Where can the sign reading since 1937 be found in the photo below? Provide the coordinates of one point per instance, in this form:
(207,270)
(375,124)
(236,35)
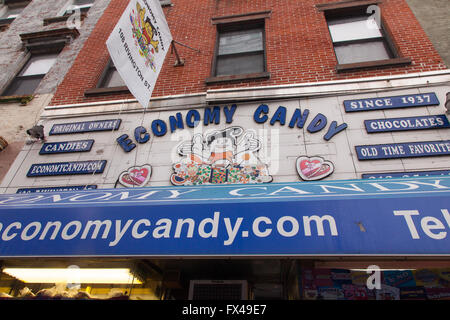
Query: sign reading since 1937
(408,123)
(403,150)
(413,100)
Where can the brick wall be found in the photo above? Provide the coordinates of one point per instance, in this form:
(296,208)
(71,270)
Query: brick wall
(298,44)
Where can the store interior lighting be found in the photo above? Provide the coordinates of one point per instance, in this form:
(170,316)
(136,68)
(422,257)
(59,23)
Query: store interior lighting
(73,275)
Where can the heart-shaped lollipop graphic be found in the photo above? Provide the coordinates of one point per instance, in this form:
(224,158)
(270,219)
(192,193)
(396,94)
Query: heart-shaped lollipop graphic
(313,168)
(136,176)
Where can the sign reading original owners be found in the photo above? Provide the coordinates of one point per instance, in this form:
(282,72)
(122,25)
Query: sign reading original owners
(85,126)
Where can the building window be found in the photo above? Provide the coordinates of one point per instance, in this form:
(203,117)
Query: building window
(240,51)
(357,39)
(28,79)
(82,5)
(360,38)
(11,11)
(111,77)
(165,3)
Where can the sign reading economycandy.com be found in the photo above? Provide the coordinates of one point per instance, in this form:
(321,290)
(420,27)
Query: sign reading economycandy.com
(138,46)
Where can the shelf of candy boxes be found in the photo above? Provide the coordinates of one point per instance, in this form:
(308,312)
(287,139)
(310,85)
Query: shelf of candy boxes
(62,293)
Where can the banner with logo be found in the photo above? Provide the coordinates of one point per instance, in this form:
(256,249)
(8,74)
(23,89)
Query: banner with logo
(138,46)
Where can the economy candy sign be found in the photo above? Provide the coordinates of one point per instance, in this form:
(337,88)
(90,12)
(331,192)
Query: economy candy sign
(352,217)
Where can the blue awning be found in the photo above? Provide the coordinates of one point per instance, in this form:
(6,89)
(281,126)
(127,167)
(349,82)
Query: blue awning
(408,216)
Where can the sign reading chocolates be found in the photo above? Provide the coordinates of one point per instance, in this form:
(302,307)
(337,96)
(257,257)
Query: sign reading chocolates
(65,168)
(85,126)
(57,189)
(407,124)
(66,147)
(412,100)
(403,150)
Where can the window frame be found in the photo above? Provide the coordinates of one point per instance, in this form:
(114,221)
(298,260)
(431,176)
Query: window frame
(5,22)
(349,9)
(18,77)
(236,23)
(99,89)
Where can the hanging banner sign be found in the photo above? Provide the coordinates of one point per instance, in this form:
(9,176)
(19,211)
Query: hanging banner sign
(412,100)
(56,189)
(408,123)
(66,168)
(345,218)
(403,150)
(138,46)
(66,147)
(85,126)
(406,174)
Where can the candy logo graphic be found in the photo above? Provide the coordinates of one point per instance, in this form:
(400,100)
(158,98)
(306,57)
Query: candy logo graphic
(136,176)
(144,33)
(313,168)
(220,157)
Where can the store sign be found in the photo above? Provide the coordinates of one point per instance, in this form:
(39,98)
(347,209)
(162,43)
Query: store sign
(279,219)
(408,123)
(193,118)
(403,150)
(137,176)
(66,168)
(221,156)
(57,189)
(66,147)
(138,46)
(313,168)
(85,126)
(412,100)
(410,174)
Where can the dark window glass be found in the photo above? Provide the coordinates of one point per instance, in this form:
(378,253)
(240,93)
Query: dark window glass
(82,5)
(358,39)
(240,51)
(111,78)
(30,76)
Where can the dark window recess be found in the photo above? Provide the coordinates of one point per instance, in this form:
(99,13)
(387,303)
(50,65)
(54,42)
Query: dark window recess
(165,3)
(28,79)
(240,50)
(13,10)
(82,5)
(111,78)
(358,39)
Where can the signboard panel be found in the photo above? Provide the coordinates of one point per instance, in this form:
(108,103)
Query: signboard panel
(66,147)
(56,189)
(407,124)
(85,126)
(406,101)
(403,150)
(66,168)
(410,174)
(280,219)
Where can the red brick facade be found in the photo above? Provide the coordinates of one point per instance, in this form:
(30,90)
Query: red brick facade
(298,47)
